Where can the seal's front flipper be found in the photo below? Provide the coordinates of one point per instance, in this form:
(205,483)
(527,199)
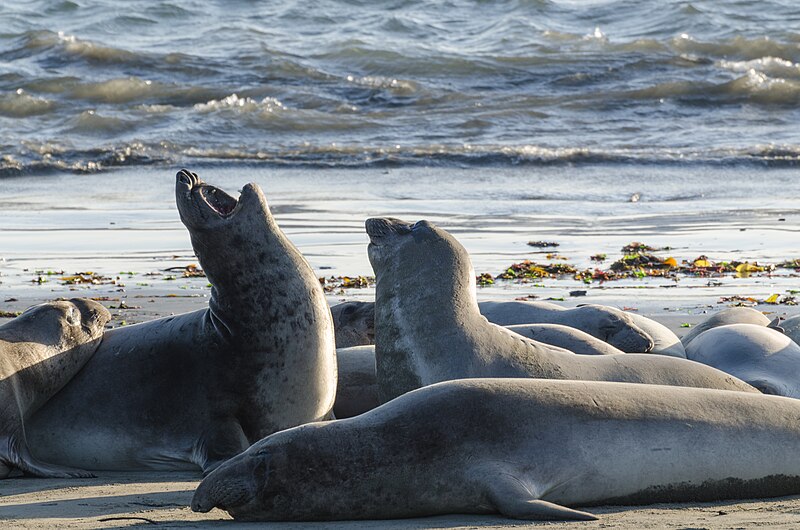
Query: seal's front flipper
(19,457)
(218,444)
(512,499)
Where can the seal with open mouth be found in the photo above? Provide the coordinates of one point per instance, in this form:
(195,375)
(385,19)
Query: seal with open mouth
(40,351)
(428,327)
(195,389)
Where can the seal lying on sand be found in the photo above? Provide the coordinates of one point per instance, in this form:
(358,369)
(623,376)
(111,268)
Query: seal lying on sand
(195,389)
(605,323)
(571,339)
(665,342)
(731,315)
(354,323)
(357,388)
(40,351)
(428,327)
(525,448)
(763,357)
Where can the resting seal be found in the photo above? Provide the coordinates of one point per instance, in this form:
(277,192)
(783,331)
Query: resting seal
(571,339)
(763,357)
(525,448)
(354,323)
(605,323)
(357,388)
(665,342)
(40,351)
(428,327)
(195,389)
(731,315)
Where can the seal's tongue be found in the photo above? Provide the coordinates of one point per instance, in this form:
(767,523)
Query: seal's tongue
(218,200)
(380,227)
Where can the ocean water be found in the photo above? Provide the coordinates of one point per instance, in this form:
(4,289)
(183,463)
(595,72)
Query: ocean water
(89,85)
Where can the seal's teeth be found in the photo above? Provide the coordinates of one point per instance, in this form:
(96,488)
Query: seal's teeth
(186,176)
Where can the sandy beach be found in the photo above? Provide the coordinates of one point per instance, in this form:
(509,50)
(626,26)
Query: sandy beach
(144,500)
(126,248)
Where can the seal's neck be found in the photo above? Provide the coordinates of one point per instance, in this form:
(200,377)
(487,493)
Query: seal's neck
(255,274)
(420,317)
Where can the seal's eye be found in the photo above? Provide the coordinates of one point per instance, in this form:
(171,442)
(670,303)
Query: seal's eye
(72,317)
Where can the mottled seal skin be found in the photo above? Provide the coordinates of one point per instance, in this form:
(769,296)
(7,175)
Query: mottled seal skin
(195,389)
(526,448)
(605,323)
(565,337)
(763,357)
(428,327)
(357,388)
(354,324)
(731,315)
(40,351)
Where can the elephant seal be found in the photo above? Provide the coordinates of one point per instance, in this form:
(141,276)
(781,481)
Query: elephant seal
(40,351)
(665,342)
(354,323)
(791,327)
(763,357)
(428,327)
(526,448)
(195,389)
(605,323)
(565,337)
(731,315)
(357,388)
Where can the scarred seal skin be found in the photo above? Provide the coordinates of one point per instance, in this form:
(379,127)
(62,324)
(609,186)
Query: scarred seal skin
(195,389)
(428,327)
(524,448)
(40,351)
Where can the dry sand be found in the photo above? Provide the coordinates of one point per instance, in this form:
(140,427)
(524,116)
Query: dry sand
(133,500)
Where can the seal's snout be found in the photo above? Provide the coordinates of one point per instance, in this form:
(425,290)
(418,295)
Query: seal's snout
(632,340)
(380,227)
(189,179)
(220,491)
(94,315)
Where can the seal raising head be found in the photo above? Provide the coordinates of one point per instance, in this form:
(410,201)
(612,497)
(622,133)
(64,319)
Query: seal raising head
(208,383)
(428,327)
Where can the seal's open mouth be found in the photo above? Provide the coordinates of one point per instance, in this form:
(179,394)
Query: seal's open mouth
(379,228)
(218,200)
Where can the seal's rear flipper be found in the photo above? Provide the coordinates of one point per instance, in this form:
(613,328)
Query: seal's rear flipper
(539,509)
(512,499)
(776,324)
